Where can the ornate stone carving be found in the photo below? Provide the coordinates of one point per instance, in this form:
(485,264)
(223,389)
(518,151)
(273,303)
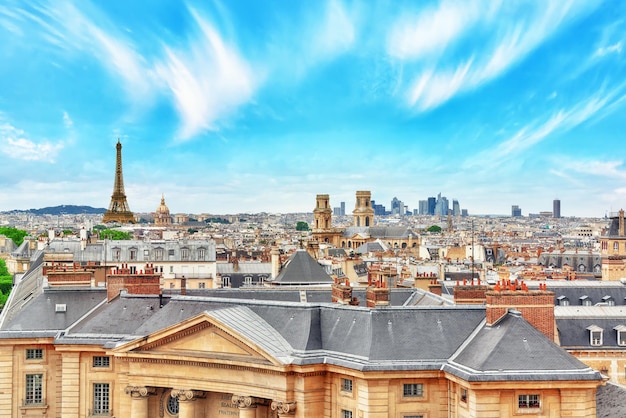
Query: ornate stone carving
(185,395)
(283,407)
(140,391)
(243,401)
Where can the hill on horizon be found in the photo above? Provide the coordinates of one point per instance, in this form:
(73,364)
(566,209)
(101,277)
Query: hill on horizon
(61,210)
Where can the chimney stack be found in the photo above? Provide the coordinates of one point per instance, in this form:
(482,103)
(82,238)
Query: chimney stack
(275,258)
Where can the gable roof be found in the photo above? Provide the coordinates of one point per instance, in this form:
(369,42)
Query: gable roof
(512,349)
(301,268)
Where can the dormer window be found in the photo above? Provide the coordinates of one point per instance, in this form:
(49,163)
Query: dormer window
(585,301)
(609,300)
(563,300)
(595,335)
(621,335)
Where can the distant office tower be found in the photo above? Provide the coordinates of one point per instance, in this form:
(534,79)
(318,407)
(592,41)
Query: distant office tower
(463,213)
(118,209)
(456,208)
(442,206)
(516,211)
(343,208)
(397,207)
(379,210)
(336,211)
(556,208)
(432,202)
(423,207)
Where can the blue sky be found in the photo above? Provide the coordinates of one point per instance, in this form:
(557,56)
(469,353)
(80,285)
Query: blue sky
(252,106)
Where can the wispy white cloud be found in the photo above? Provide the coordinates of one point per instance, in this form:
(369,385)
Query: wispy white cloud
(207,81)
(430,31)
(67,121)
(610,49)
(336,33)
(15,144)
(608,169)
(440,62)
(593,107)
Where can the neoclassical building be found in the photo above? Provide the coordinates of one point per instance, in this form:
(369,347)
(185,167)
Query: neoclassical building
(363,229)
(127,350)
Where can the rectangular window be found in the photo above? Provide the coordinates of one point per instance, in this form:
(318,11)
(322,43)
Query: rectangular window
(101,361)
(201,253)
(34,389)
(621,337)
(528,401)
(184,254)
(133,254)
(34,354)
(413,389)
(463,395)
(346,385)
(201,285)
(596,337)
(346,414)
(101,399)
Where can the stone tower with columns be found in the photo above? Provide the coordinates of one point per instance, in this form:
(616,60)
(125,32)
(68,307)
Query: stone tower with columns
(322,214)
(363,211)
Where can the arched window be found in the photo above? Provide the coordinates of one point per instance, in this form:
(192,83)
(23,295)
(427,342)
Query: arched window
(367,221)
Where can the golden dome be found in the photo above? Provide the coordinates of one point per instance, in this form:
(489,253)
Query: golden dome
(163,209)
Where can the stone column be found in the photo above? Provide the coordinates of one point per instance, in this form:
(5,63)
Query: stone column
(186,398)
(139,403)
(246,405)
(284,409)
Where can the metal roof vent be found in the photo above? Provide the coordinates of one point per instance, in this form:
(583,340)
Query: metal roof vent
(60,307)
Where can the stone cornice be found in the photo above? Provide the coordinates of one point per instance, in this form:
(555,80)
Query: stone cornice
(176,336)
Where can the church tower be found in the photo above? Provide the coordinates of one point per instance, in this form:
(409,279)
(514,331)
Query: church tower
(363,211)
(322,213)
(118,209)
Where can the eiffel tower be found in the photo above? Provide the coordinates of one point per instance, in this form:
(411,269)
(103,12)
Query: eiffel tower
(118,209)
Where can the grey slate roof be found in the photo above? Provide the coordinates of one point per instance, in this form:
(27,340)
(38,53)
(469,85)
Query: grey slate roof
(41,313)
(382,232)
(301,268)
(595,291)
(513,349)
(573,322)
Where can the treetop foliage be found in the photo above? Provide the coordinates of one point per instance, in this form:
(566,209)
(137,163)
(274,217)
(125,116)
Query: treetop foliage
(17,235)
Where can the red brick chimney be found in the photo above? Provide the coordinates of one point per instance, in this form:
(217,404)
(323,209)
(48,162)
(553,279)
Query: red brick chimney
(341,293)
(466,293)
(140,283)
(435,287)
(536,306)
(377,297)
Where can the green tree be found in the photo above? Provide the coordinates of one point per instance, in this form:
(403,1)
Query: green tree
(115,234)
(6,283)
(302,226)
(434,228)
(17,235)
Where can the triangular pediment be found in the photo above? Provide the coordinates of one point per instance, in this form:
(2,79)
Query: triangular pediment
(201,338)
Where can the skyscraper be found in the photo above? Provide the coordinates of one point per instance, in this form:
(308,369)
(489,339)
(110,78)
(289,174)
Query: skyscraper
(556,208)
(432,202)
(516,211)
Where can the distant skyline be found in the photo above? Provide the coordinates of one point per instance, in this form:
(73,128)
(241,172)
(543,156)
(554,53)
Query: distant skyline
(247,106)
